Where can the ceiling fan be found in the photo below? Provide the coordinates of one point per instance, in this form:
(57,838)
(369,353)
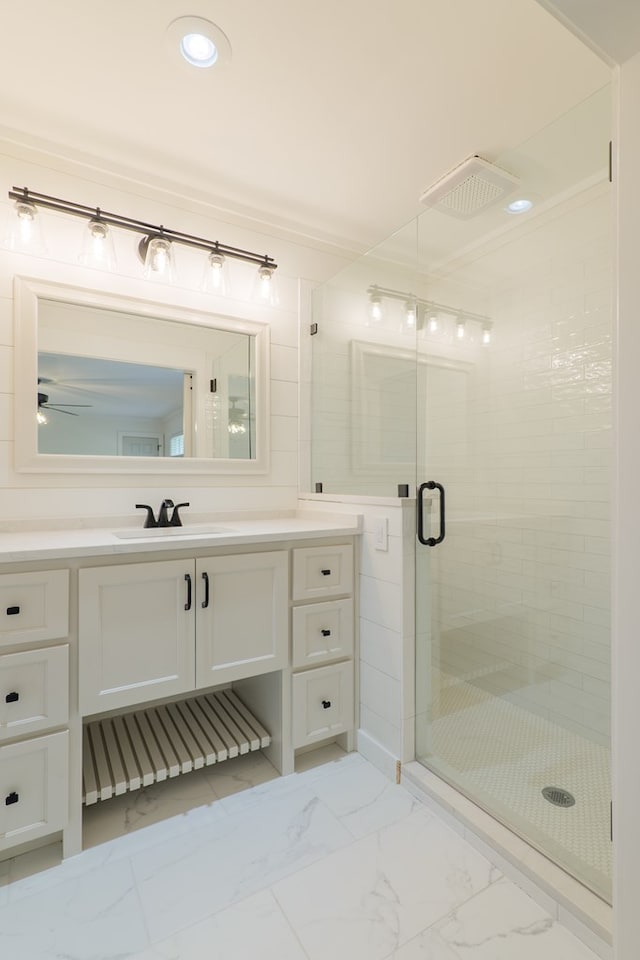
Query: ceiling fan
(43,404)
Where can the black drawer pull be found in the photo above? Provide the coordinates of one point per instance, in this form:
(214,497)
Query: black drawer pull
(205,602)
(12,798)
(12,697)
(12,611)
(325,573)
(187,577)
(326,704)
(326,633)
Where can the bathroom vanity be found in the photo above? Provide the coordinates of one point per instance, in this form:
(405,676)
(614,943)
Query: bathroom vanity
(131,656)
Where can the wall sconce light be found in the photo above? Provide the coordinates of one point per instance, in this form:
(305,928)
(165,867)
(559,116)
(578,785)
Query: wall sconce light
(433,325)
(486,333)
(410,315)
(460,329)
(156,248)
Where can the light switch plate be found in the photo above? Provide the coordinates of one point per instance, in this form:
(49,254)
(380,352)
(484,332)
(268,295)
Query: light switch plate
(381,533)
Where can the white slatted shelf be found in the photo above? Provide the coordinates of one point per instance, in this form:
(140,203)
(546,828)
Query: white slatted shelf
(128,752)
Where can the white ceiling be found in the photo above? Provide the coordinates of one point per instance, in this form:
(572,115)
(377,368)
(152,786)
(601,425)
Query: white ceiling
(330,120)
(612,27)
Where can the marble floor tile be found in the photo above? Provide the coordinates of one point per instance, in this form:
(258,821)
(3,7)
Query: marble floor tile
(364,801)
(122,815)
(87,919)
(365,901)
(256,848)
(254,929)
(503,922)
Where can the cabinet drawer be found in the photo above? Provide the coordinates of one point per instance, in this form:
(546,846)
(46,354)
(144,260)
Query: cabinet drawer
(34,606)
(322,572)
(322,632)
(322,703)
(33,788)
(34,691)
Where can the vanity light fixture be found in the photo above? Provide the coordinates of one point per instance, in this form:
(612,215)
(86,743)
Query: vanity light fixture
(155,249)
(420,313)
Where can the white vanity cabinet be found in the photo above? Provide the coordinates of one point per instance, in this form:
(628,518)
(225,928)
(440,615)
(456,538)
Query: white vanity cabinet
(34,700)
(322,689)
(153,630)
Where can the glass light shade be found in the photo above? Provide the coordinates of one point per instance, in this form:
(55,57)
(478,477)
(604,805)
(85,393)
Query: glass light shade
(486,334)
(158,259)
(41,418)
(460,330)
(433,324)
(264,285)
(25,229)
(375,309)
(215,276)
(97,246)
(410,315)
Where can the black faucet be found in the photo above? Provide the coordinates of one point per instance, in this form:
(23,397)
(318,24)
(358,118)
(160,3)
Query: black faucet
(163,516)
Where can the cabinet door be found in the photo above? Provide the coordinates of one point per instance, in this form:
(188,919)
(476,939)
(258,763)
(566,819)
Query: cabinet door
(34,788)
(136,633)
(322,702)
(241,616)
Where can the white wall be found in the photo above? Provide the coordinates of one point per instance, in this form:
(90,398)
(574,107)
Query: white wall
(25,497)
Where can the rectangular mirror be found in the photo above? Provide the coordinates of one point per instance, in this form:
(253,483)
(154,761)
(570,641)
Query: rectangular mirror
(105,383)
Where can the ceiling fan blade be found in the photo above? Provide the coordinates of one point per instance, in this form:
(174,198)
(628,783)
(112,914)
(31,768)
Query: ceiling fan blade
(73,404)
(69,413)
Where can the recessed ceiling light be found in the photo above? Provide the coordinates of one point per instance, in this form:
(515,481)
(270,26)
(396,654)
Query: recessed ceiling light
(519,206)
(197,42)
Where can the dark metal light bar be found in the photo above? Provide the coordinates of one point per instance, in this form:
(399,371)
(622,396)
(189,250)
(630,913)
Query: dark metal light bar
(138,226)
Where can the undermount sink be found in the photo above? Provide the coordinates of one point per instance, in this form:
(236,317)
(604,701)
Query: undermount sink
(153,533)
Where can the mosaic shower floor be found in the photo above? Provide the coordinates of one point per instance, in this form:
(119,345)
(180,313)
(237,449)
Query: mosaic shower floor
(502,756)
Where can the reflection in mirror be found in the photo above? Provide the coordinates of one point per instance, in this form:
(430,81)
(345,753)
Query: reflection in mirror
(108,408)
(104,383)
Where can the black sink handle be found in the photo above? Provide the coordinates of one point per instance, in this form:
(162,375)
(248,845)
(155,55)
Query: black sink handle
(176,519)
(150,520)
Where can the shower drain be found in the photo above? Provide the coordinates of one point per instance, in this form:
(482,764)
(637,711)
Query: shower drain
(558,796)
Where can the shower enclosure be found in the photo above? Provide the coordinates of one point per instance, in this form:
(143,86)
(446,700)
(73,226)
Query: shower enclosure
(471,359)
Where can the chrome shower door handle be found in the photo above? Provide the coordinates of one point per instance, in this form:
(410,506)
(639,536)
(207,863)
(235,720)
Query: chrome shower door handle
(430,541)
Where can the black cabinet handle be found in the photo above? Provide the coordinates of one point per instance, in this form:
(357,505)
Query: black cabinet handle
(326,633)
(187,605)
(430,541)
(12,611)
(12,798)
(12,697)
(205,602)
(326,704)
(325,573)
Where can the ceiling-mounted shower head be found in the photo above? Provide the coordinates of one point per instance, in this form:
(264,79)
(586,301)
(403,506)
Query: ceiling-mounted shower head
(469,188)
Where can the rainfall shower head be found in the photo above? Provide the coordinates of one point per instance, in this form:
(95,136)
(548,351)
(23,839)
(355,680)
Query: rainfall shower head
(469,188)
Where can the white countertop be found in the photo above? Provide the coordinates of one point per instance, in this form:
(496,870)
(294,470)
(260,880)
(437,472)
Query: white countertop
(56,544)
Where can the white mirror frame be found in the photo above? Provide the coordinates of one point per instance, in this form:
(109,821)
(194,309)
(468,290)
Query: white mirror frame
(27,292)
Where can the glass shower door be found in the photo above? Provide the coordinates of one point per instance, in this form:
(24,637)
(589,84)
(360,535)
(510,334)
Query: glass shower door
(512,554)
